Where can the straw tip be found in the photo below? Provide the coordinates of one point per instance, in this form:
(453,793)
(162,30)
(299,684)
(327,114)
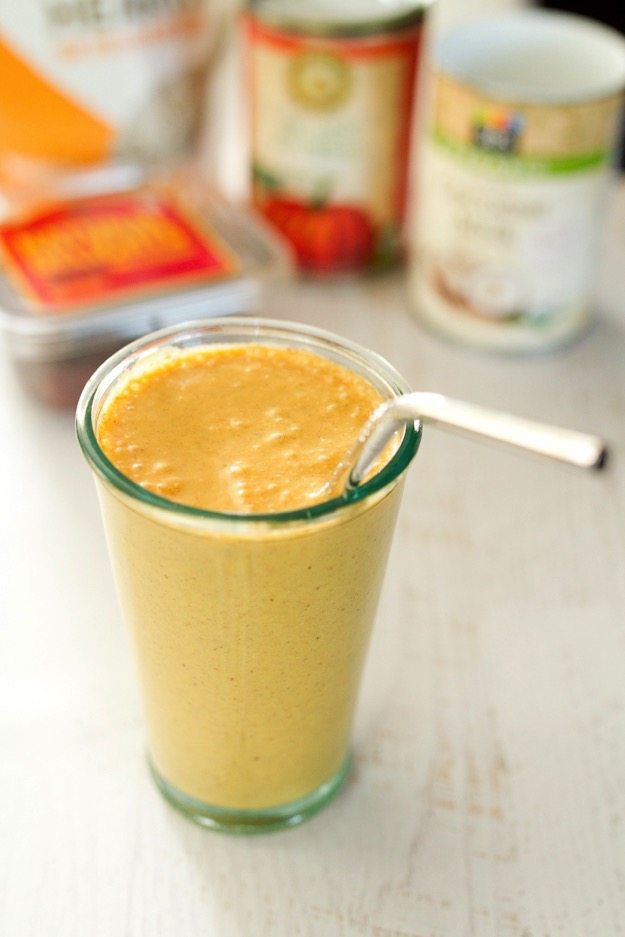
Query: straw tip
(602,459)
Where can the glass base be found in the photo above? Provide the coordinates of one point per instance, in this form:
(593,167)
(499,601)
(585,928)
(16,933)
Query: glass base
(262,820)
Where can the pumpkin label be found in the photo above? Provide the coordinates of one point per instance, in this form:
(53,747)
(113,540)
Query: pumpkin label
(330,128)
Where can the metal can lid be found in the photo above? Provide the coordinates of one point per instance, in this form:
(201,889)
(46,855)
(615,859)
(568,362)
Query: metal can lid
(349,18)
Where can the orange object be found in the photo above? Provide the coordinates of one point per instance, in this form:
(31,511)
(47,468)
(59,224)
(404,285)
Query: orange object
(38,120)
(324,237)
(110,246)
(81,274)
(85,83)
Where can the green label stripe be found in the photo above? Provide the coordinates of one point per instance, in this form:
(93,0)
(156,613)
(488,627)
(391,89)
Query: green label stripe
(518,164)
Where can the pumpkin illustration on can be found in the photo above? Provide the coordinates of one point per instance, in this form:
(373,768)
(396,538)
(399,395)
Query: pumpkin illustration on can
(331,107)
(326,238)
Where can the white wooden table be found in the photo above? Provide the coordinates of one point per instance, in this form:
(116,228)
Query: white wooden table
(488,790)
(487,797)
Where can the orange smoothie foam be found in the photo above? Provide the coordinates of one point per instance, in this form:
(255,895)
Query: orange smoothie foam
(244,429)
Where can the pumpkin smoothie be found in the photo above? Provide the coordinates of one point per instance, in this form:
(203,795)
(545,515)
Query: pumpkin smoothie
(250,602)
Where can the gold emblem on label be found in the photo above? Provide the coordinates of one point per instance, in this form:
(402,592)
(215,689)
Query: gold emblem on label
(319,80)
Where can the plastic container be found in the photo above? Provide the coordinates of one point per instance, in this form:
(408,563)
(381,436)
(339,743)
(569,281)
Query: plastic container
(103,257)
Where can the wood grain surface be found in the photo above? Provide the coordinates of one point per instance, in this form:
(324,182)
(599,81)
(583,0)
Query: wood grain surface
(487,795)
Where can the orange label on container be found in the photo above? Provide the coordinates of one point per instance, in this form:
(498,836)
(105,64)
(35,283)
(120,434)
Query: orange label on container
(94,250)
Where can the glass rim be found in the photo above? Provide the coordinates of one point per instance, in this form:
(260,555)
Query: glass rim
(240,329)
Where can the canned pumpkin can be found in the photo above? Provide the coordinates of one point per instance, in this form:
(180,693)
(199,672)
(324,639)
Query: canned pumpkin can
(332,91)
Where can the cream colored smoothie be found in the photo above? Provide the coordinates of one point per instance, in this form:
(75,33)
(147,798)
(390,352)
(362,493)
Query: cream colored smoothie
(250,624)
